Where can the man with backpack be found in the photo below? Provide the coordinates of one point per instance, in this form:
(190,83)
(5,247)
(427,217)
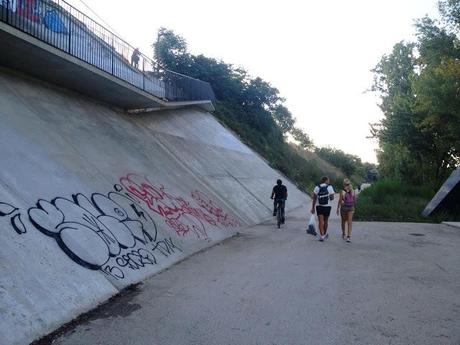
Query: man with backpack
(323,194)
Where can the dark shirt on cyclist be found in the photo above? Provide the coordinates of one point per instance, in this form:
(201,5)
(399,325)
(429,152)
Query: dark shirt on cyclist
(279,192)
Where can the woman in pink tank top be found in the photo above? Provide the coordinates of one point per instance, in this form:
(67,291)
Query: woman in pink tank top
(346,204)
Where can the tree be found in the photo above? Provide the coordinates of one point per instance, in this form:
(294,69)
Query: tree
(434,43)
(393,81)
(170,51)
(302,138)
(259,93)
(450,12)
(283,118)
(349,164)
(419,88)
(437,115)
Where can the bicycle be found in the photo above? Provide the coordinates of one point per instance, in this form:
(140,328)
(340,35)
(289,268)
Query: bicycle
(280,212)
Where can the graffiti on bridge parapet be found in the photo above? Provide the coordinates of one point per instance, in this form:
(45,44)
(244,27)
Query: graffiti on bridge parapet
(115,232)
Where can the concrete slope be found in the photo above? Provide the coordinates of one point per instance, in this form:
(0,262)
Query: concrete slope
(448,196)
(93,200)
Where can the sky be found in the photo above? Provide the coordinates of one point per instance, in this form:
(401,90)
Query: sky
(318,54)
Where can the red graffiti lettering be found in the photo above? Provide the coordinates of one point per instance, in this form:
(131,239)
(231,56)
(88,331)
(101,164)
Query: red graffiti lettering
(178,213)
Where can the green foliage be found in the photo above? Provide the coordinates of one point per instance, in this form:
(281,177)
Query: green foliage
(250,106)
(395,201)
(302,139)
(284,119)
(418,85)
(349,164)
(450,12)
(396,161)
(170,50)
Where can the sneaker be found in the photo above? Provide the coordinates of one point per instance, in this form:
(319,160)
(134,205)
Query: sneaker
(348,239)
(321,238)
(326,236)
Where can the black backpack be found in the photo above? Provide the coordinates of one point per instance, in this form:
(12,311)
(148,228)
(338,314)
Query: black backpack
(323,195)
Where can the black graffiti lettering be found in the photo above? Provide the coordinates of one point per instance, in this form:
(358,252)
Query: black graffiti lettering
(18,225)
(116,232)
(139,213)
(113,271)
(130,197)
(147,236)
(6,209)
(142,236)
(171,244)
(15,219)
(136,259)
(166,247)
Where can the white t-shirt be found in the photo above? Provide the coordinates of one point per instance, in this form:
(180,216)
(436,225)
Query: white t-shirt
(329,189)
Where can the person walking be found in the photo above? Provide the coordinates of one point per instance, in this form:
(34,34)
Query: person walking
(323,194)
(346,204)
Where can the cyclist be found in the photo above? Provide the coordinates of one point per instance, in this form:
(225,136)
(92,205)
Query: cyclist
(279,196)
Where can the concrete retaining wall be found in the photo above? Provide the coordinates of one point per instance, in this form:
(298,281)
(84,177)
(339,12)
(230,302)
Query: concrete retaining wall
(447,197)
(93,200)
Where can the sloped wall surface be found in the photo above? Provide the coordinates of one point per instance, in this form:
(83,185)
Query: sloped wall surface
(447,197)
(93,200)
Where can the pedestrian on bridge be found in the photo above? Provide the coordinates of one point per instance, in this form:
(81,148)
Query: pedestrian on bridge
(135,58)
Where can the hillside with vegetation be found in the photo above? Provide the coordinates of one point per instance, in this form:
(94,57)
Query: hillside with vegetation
(254,109)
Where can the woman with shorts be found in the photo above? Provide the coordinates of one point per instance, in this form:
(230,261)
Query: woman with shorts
(346,204)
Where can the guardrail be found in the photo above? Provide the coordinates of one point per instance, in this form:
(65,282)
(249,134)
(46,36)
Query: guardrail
(64,27)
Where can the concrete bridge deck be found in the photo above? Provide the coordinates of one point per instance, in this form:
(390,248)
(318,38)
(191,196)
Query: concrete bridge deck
(394,284)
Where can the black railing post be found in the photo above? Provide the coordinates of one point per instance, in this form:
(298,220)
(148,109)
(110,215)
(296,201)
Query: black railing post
(7,11)
(143,73)
(70,31)
(113,67)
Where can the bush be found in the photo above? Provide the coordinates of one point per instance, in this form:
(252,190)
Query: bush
(393,201)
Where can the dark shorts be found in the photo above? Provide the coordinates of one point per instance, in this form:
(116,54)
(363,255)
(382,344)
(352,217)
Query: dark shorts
(344,210)
(323,210)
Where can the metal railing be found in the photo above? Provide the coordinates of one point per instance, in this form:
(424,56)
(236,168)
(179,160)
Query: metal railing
(64,27)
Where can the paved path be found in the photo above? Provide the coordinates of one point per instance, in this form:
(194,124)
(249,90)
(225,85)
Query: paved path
(394,284)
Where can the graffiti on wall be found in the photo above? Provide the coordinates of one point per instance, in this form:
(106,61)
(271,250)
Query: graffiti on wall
(178,213)
(117,231)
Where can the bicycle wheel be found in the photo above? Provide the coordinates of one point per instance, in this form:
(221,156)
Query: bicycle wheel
(278,216)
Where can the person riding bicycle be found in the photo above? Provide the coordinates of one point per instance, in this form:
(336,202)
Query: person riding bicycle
(279,196)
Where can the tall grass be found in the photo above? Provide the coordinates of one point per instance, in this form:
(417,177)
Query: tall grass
(393,201)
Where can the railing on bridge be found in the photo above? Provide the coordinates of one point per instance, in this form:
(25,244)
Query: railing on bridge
(66,28)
